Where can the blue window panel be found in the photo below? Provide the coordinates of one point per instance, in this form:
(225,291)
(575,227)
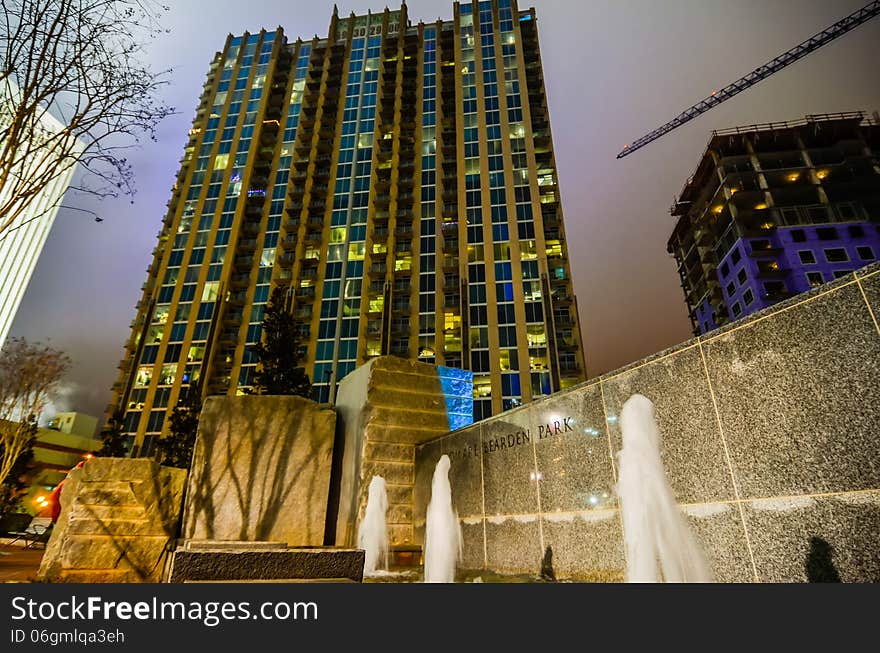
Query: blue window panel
(503,271)
(165,294)
(324,350)
(178,331)
(188,292)
(149,354)
(504,292)
(327,329)
(206,309)
(507,336)
(510,385)
(261,294)
(201,331)
(350,328)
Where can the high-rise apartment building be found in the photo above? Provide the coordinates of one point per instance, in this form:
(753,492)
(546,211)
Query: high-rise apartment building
(773,210)
(399,180)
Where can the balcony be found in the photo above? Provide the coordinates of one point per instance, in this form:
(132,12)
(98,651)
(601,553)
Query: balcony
(305,293)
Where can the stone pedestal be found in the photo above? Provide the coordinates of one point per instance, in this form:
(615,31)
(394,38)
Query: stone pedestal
(118,518)
(387,407)
(261,471)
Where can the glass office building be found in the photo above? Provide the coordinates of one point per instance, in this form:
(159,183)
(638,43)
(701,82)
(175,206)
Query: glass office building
(398,180)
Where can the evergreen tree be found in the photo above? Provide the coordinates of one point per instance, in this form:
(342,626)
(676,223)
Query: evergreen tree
(114,441)
(176,449)
(279,372)
(17,482)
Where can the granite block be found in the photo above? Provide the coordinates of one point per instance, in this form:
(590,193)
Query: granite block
(869,281)
(572,451)
(586,546)
(472,545)
(692,449)
(782,533)
(327,563)
(261,470)
(719,529)
(513,545)
(509,474)
(426,460)
(117,517)
(797,395)
(465,456)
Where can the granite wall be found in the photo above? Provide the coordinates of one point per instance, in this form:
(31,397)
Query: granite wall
(261,471)
(118,519)
(771,441)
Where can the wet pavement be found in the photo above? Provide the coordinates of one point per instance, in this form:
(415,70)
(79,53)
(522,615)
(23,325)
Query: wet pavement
(18,564)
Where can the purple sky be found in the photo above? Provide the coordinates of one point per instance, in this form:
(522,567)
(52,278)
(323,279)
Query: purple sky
(614,71)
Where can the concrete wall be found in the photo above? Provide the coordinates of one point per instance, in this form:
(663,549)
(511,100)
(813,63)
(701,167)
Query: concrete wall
(771,437)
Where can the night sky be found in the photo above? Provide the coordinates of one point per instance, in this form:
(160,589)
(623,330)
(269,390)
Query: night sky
(614,70)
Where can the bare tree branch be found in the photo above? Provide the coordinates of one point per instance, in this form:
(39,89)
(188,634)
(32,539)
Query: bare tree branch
(74,88)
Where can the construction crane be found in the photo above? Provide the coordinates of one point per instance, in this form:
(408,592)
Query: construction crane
(841,27)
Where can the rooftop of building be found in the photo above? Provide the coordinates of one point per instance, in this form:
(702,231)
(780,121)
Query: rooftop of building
(828,128)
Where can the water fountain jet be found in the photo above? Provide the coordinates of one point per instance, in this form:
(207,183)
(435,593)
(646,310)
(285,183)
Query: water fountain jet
(659,544)
(373,531)
(442,529)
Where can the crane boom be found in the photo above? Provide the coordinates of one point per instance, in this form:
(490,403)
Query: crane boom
(841,27)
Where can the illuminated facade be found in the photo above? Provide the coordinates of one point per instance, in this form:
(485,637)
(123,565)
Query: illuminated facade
(399,181)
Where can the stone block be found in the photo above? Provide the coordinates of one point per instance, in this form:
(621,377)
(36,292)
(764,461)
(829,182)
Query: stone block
(797,396)
(261,470)
(118,519)
(266,564)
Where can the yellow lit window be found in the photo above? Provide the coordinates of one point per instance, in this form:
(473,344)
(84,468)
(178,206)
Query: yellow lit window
(403,264)
(144,375)
(209,293)
(380,248)
(312,253)
(508,360)
(538,363)
(536,335)
(356,251)
(267,259)
(337,235)
(169,372)
(554,248)
(475,253)
(529,250)
(377,304)
(374,348)
(502,251)
(221,161)
(155,334)
(160,316)
(196,353)
(482,386)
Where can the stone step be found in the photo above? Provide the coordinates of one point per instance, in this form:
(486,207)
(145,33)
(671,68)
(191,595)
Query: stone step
(393,451)
(405,434)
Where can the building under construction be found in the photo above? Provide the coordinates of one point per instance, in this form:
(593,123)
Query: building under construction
(773,210)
